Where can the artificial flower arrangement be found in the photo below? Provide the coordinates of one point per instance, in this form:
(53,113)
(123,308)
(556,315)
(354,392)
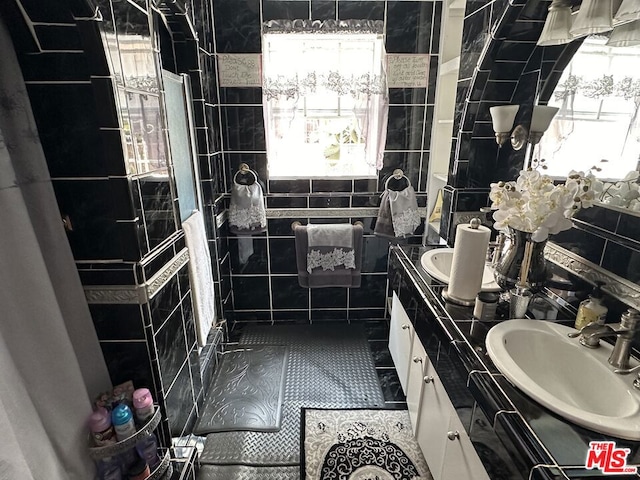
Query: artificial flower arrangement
(534,204)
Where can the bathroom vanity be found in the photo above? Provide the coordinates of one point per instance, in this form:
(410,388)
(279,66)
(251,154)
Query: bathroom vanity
(469,420)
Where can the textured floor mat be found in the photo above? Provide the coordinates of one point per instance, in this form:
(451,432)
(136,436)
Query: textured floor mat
(243,472)
(247,391)
(327,367)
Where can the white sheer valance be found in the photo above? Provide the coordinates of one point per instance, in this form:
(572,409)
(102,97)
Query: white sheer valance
(323,81)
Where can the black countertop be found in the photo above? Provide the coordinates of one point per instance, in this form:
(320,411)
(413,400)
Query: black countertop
(540,443)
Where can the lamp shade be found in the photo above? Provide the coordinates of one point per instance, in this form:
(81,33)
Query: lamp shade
(557,25)
(627,35)
(629,10)
(541,118)
(594,16)
(503,116)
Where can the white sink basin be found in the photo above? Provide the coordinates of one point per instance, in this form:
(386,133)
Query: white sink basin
(437,263)
(573,381)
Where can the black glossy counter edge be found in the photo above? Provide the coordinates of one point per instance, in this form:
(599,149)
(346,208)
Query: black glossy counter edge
(444,337)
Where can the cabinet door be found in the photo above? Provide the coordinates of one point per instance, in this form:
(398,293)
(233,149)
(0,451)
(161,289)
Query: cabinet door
(400,338)
(460,458)
(417,366)
(434,414)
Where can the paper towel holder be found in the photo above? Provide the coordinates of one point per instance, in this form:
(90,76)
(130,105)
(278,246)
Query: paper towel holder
(475,224)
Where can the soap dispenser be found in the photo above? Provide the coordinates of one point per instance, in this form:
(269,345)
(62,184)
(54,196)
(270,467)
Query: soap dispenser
(592,309)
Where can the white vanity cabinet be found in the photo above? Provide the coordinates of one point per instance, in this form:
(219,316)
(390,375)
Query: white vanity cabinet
(436,425)
(401,334)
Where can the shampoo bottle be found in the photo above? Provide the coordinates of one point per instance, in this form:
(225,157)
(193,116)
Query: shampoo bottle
(592,309)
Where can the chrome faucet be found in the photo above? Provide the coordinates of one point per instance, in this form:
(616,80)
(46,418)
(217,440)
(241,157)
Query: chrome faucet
(624,331)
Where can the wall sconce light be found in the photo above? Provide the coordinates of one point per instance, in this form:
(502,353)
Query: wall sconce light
(629,10)
(627,35)
(594,16)
(557,26)
(503,117)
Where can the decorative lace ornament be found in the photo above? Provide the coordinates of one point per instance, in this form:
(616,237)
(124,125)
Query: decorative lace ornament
(406,222)
(247,218)
(332,81)
(326,26)
(330,260)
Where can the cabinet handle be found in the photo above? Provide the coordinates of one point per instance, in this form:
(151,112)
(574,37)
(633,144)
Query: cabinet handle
(453,435)
(405,326)
(417,360)
(428,379)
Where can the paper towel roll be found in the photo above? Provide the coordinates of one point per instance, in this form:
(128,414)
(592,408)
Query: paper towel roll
(467,266)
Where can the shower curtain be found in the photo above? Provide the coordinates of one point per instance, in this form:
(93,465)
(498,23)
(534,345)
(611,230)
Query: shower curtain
(51,364)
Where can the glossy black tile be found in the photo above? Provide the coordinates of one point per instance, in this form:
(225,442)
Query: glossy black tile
(54,66)
(88,205)
(409,162)
(371,292)
(70,136)
(582,243)
(58,37)
(282,255)
(248,95)
(49,13)
(328,315)
(328,201)
(251,293)
(407,96)
(164,302)
(405,127)
(390,384)
(331,186)
(248,255)
(244,128)
(286,9)
(128,361)
(106,274)
(323,9)
(364,9)
(237,26)
(171,347)
(288,294)
(374,254)
(409,26)
(622,261)
(289,186)
(117,322)
(287,202)
(180,401)
(333,298)
(188,318)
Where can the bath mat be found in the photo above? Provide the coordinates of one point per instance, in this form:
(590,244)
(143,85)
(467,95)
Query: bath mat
(329,366)
(245,472)
(360,444)
(247,392)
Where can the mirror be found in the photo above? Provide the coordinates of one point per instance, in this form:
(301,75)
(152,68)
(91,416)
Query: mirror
(598,126)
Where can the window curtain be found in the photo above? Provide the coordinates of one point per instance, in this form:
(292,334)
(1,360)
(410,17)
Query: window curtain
(333,57)
(51,364)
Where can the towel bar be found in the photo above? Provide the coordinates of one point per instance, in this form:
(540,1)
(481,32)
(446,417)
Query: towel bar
(296,224)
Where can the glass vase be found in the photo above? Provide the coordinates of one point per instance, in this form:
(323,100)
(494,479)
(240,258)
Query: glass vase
(508,269)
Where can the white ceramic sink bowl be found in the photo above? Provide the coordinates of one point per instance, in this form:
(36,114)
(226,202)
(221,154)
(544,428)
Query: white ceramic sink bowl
(437,263)
(573,381)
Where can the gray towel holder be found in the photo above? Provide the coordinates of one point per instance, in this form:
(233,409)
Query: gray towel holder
(244,169)
(397,174)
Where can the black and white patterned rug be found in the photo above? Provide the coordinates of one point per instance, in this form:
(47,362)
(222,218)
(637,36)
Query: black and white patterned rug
(360,444)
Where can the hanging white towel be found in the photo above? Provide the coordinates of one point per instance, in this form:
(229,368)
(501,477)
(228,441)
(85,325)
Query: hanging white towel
(200,274)
(404,211)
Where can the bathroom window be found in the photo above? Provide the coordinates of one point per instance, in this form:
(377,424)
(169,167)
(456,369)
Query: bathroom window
(325,99)
(599,100)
